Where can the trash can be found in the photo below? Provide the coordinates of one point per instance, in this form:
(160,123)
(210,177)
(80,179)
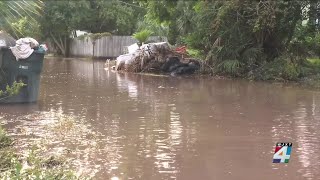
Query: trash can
(25,70)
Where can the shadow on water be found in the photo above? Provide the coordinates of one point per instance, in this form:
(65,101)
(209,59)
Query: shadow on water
(152,127)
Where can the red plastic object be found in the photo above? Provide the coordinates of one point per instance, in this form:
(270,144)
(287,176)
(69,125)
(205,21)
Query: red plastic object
(181,50)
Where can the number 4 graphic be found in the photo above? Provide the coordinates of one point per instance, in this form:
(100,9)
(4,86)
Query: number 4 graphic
(282,154)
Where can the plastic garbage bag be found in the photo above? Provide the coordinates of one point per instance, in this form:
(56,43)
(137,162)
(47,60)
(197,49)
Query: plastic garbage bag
(133,48)
(124,60)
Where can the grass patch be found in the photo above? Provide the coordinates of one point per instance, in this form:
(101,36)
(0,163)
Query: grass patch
(31,165)
(5,141)
(314,61)
(195,53)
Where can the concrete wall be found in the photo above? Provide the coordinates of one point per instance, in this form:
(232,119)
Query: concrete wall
(111,46)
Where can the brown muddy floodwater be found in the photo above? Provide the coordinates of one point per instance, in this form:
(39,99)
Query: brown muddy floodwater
(130,126)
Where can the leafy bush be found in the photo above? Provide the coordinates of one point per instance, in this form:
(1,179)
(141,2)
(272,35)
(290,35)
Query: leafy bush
(290,72)
(194,53)
(11,90)
(229,66)
(282,68)
(94,36)
(142,36)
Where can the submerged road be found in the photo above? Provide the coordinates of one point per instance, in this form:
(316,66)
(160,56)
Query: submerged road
(129,126)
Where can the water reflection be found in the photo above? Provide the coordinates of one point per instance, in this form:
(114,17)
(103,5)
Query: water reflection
(307,122)
(129,126)
(126,85)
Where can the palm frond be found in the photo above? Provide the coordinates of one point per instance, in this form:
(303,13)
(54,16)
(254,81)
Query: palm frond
(142,36)
(11,11)
(230,66)
(250,55)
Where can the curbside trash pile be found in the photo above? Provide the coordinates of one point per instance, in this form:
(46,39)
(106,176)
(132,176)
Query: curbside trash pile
(156,58)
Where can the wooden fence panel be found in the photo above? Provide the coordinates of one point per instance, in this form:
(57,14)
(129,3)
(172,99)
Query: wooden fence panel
(110,46)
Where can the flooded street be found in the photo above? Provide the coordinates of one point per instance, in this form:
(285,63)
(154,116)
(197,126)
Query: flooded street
(134,126)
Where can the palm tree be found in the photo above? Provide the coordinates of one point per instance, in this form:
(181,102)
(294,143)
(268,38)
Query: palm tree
(11,10)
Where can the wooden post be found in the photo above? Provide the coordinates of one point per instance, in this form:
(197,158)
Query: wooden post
(93,45)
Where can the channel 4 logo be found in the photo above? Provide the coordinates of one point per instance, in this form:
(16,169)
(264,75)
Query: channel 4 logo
(282,153)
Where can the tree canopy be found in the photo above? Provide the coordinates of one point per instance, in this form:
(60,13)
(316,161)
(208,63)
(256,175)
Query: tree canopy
(238,37)
(235,37)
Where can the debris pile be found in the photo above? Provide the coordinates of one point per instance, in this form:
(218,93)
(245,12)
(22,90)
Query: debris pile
(156,58)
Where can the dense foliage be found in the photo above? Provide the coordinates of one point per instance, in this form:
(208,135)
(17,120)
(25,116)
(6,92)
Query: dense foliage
(239,38)
(16,15)
(56,21)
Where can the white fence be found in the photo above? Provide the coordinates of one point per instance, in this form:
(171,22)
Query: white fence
(110,46)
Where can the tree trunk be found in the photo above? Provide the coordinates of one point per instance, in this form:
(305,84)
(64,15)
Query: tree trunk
(61,43)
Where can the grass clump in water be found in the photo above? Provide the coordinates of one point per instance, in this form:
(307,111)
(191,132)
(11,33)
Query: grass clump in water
(5,141)
(31,166)
(5,152)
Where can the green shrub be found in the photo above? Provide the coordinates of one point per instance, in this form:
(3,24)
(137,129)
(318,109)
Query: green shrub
(282,69)
(142,36)
(195,53)
(231,67)
(314,61)
(290,72)
(94,36)
(82,37)
(11,90)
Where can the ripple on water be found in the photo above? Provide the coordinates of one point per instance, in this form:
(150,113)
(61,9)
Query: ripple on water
(129,126)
